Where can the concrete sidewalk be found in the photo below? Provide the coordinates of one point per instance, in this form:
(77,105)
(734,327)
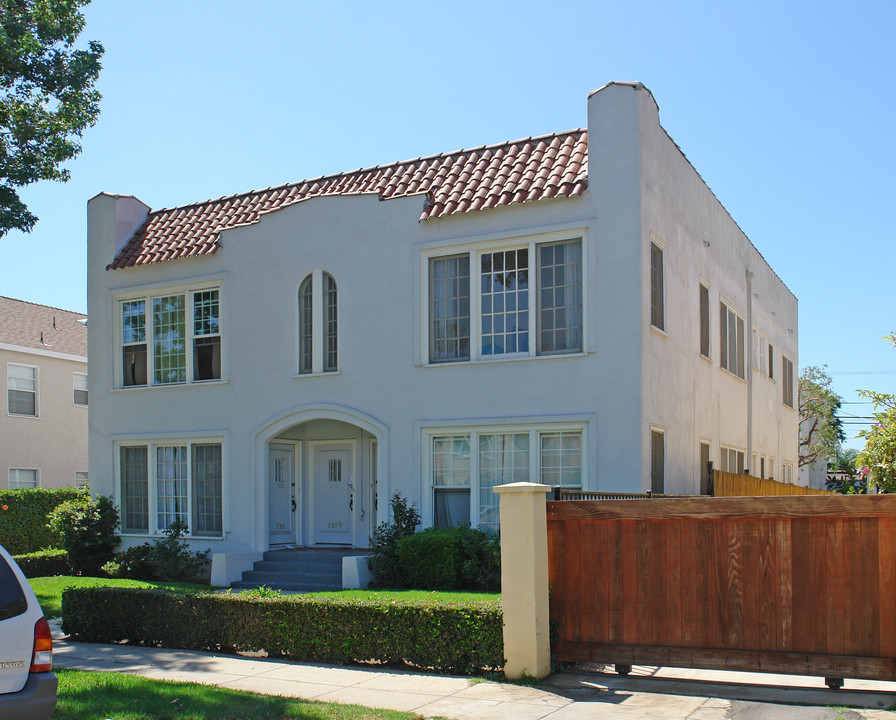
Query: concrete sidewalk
(586,693)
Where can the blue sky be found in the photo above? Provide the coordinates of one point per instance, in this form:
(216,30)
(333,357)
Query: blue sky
(785,108)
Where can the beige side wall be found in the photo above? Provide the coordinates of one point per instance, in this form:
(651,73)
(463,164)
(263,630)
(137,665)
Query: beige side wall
(55,442)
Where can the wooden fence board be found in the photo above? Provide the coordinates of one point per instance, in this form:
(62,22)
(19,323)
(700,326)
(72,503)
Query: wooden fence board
(760,579)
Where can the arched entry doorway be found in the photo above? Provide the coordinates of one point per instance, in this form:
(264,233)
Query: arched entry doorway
(321,479)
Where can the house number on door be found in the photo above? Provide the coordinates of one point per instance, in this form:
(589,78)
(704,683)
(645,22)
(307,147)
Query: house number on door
(334,525)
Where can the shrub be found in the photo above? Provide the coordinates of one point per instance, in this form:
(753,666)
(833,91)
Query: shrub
(135,563)
(44,563)
(168,559)
(457,558)
(448,637)
(384,562)
(23,518)
(87,528)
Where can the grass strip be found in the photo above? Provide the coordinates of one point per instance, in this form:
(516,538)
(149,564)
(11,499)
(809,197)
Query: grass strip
(85,695)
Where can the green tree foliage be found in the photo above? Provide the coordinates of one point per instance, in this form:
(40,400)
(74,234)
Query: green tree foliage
(844,474)
(821,431)
(879,454)
(47,97)
(384,563)
(87,528)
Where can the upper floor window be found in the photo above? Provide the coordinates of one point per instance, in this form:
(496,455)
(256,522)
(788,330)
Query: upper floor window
(79,389)
(704,320)
(318,324)
(21,384)
(521,293)
(657,305)
(731,341)
(787,380)
(771,361)
(185,332)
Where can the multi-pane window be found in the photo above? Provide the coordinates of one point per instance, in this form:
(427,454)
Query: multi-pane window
(657,306)
(732,460)
(21,384)
(731,351)
(533,291)
(318,324)
(657,461)
(81,478)
(787,472)
(466,466)
(166,483)
(79,389)
(787,380)
(185,331)
(20,479)
(704,320)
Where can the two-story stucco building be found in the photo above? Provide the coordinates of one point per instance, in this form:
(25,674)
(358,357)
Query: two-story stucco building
(43,432)
(574,309)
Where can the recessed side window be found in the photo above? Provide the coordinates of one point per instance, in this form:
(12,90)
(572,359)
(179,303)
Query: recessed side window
(134,489)
(331,335)
(22,479)
(79,389)
(657,303)
(306,326)
(449,308)
(657,461)
(318,324)
(133,343)
(451,480)
(560,297)
(21,384)
(787,380)
(704,320)
(206,336)
(731,341)
(207,505)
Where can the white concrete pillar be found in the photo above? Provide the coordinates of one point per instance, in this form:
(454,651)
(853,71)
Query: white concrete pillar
(524,579)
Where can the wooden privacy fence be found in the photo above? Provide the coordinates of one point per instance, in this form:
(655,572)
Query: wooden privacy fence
(776,584)
(733,485)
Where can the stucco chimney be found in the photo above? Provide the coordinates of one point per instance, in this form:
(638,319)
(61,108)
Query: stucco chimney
(112,220)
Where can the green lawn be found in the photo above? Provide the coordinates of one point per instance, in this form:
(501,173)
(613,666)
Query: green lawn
(49,589)
(116,696)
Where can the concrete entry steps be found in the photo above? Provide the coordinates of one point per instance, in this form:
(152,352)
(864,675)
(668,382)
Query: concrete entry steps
(298,569)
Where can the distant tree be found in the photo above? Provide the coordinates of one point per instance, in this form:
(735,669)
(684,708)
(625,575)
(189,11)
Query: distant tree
(821,431)
(879,454)
(844,475)
(47,97)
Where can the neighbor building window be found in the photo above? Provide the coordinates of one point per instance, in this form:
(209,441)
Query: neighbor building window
(731,339)
(787,380)
(21,383)
(657,461)
(467,465)
(521,293)
(167,483)
(657,305)
(79,389)
(20,479)
(787,472)
(318,324)
(705,469)
(704,320)
(771,361)
(732,460)
(185,331)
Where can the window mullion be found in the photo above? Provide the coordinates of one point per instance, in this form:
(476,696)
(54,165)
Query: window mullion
(534,457)
(189,328)
(474,479)
(189,510)
(475,307)
(152,490)
(532,291)
(317,321)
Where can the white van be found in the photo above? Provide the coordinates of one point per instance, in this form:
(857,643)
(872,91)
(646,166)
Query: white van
(27,683)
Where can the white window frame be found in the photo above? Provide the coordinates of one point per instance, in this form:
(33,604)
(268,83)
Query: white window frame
(36,391)
(189,292)
(82,477)
(740,364)
(475,251)
(75,388)
(725,459)
(535,431)
(787,473)
(657,295)
(151,446)
(9,476)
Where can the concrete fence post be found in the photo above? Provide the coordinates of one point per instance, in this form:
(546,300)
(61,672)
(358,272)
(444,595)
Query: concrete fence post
(524,579)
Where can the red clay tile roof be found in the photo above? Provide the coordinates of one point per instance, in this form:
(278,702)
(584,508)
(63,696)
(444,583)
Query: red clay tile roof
(40,327)
(490,176)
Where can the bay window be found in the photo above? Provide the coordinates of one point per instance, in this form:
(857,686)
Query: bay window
(526,300)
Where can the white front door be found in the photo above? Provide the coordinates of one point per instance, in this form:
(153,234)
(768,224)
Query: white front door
(333,493)
(281,495)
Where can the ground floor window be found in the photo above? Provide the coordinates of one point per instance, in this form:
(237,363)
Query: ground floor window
(732,460)
(466,465)
(163,483)
(20,479)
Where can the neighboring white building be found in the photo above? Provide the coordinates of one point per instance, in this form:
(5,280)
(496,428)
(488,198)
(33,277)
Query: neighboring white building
(572,309)
(43,430)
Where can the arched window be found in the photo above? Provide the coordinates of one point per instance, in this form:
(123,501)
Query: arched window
(318,324)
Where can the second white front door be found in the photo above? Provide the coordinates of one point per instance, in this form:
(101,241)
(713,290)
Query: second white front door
(333,493)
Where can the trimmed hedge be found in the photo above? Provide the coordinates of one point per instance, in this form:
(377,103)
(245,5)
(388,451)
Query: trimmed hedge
(23,522)
(448,637)
(44,563)
(455,558)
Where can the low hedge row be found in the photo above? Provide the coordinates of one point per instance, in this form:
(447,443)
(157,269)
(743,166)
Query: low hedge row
(448,637)
(44,563)
(23,518)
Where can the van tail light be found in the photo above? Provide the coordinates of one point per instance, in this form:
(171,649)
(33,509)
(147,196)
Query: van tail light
(42,657)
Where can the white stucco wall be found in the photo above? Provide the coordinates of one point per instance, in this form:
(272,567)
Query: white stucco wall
(385,392)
